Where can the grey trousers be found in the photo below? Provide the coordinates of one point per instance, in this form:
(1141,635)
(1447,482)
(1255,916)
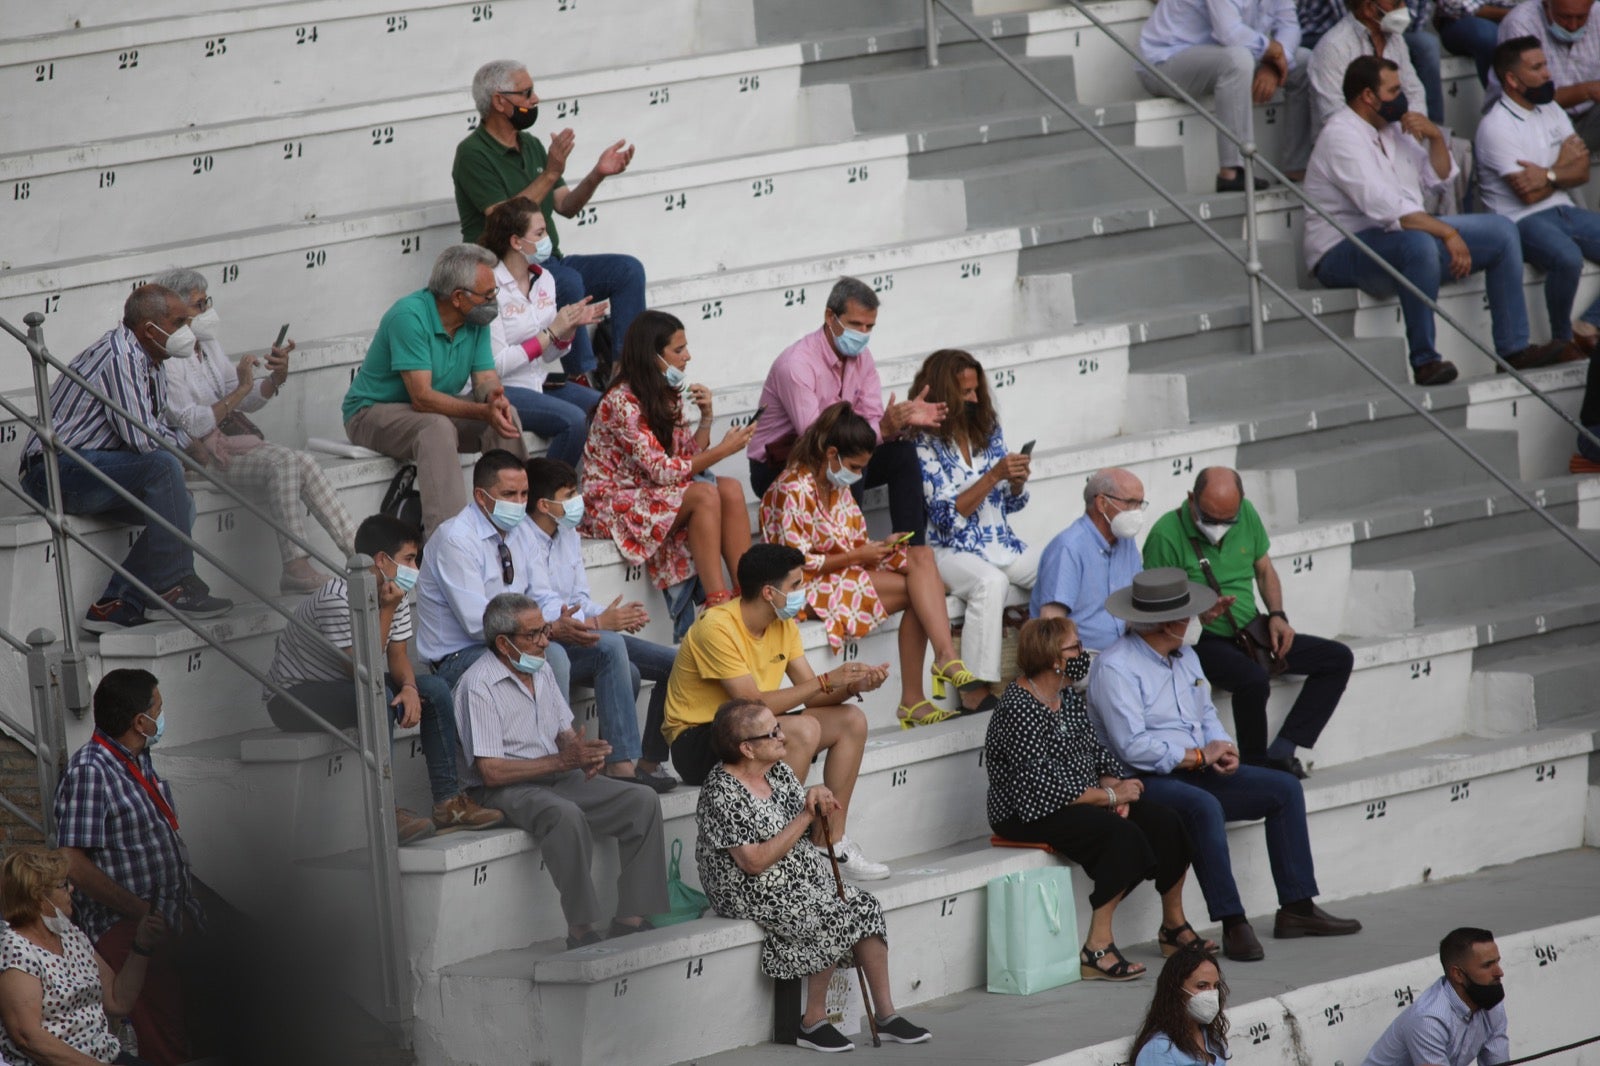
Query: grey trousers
(1225,74)
(564,814)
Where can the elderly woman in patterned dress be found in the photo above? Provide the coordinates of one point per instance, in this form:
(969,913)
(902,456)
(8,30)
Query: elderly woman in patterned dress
(853,583)
(752,815)
(1052,782)
(55,990)
(642,487)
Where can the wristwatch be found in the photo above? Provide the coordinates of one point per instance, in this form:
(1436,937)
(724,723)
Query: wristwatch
(1550,176)
(1278,614)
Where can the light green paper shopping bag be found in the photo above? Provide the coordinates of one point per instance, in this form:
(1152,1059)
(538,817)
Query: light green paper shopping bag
(1033,931)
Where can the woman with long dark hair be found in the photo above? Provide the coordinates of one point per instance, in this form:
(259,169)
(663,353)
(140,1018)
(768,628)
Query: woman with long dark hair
(642,467)
(1187,1023)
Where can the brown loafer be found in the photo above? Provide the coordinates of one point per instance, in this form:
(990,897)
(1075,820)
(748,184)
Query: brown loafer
(1240,944)
(1319,922)
(1438,372)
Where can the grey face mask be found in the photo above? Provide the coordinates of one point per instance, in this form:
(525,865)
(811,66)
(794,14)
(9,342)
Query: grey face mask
(483,314)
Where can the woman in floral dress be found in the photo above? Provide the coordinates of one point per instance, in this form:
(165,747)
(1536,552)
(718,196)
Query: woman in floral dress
(642,467)
(853,583)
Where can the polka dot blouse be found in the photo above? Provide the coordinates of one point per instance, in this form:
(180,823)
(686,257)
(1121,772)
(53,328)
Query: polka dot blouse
(74,1008)
(1040,760)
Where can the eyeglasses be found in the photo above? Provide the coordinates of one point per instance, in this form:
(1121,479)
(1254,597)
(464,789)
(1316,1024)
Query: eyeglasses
(777,732)
(204,303)
(1137,505)
(483,297)
(508,569)
(542,633)
(1072,651)
(526,94)
(1212,521)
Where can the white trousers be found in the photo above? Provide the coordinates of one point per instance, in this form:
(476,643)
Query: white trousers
(984,586)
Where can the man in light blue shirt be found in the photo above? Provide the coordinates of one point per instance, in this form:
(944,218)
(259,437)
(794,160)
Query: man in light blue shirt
(1152,706)
(1092,558)
(1457,1019)
(1240,52)
(597,640)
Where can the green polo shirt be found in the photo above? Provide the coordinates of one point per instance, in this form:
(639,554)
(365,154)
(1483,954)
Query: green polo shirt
(487,172)
(1233,562)
(411,337)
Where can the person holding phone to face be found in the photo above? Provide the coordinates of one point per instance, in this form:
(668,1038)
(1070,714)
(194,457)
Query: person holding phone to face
(973,485)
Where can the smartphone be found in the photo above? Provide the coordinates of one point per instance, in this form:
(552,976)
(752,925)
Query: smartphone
(757,416)
(900,539)
(283,331)
(1027,449)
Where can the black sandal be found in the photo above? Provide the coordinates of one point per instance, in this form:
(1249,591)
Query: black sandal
(1123,970)
(1171,945)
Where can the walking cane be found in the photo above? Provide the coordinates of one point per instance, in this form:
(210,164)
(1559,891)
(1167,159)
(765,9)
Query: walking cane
(861,978)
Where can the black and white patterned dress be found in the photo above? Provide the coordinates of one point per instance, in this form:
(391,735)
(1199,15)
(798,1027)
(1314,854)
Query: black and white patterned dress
(73,1006)
(809,928)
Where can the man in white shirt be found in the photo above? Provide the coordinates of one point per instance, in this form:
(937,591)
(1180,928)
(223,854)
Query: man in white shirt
(1370,169)
(1241,52)
(1573,52)
(1371,28)
(597,639)
(1528,157)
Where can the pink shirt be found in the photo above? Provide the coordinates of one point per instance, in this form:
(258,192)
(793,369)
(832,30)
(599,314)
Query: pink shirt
(807,377)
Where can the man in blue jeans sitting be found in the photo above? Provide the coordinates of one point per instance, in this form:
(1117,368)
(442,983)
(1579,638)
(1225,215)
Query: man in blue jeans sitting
(127,366)
(1152,706)
(1370,168)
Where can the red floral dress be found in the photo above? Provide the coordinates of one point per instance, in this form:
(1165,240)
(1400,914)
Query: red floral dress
(793,512)
(633,490)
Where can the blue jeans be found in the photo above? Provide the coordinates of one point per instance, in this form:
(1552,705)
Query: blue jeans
(1423,48)
(1557,240)
(1423,259)
(560,416)
(618,278)
(157,558)
(1207,801)
(613,667)
(1471,36)
(336,702)
(452,666)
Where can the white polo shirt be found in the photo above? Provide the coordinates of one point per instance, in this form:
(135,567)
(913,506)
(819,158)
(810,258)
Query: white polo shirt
(1509,132)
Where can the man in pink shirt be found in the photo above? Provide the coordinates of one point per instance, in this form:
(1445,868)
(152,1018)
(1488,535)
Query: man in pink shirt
(830,365)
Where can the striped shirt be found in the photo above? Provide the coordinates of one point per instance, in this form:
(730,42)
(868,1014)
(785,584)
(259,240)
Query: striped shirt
(299,659)
(101,809)
(498,718)
(119,367)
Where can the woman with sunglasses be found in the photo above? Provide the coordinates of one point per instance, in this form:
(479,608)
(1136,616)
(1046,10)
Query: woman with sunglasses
(1052,782)
(1186,1024)
(754,818)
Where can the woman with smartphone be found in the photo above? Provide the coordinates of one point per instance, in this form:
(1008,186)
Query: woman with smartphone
(972,486)
(853,583)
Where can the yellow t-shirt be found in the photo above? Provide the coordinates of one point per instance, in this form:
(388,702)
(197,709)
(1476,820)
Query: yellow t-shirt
(716,648)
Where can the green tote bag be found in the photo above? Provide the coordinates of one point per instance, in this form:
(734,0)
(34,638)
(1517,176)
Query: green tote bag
(686,903)
(1033,931)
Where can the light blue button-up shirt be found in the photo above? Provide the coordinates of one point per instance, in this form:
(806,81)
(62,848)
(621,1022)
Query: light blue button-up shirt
(1161,1052)
(1151,708)
(1176,25)
(559,579)
(461,574)
(1441,1029)
(1078,569)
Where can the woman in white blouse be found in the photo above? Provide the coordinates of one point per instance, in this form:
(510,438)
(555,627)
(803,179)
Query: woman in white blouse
(532,334)
(208,397)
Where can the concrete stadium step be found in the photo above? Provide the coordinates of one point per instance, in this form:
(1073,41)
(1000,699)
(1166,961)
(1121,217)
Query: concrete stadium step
(1550,679)
(898,98)
(1111,288)
(1243,385)
(1078,180)
(296,167)
(177,71)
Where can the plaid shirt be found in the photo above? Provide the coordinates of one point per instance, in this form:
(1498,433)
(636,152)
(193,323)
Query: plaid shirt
(103,810)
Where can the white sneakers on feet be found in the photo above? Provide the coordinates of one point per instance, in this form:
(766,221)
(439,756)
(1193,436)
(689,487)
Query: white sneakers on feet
(855,865)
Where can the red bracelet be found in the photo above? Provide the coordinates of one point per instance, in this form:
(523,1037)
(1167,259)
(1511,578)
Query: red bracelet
(561,345)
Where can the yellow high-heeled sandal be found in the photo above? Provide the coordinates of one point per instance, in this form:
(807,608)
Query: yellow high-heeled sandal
(961,678)
(909,720)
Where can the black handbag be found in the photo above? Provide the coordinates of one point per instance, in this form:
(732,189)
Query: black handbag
(1254,638)
(402,500)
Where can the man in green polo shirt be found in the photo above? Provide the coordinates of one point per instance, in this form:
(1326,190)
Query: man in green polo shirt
(406,400)
(500,160)
(1217,521)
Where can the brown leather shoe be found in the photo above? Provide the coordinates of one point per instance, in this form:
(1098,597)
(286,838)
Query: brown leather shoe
(459,812)
(1438,372)
(411,827)
(1287,926)
(1536,355)
(1240,944)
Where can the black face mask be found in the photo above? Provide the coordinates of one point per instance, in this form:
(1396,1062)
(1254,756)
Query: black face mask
(1544,94)
(1076,669)
(971,407)
(524,117)
(1485,996)
(1393,110)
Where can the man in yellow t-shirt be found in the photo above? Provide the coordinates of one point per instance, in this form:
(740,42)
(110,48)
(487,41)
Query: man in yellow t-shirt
(743,650)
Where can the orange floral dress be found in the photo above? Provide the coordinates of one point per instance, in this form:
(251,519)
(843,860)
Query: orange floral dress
(633,490)
(793,512)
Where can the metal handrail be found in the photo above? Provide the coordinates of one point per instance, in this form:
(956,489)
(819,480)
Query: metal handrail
(1252,264)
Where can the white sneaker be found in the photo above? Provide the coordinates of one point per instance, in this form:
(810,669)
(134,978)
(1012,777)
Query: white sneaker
(855,865)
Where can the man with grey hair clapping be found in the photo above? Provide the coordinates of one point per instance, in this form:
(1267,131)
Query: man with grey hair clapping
(405,402)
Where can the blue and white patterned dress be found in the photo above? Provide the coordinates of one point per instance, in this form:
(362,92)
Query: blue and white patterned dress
(945,475)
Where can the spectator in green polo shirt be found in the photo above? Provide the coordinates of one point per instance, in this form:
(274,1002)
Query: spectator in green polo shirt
(500,160)
(1218,523)
(405,400)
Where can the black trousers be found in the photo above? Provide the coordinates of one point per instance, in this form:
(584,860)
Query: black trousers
(893,464)
(1116,852)
(1326,665)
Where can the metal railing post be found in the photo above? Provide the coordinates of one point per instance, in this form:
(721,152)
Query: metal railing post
(1252,259)
(932,33)
(372,717)
(49,730)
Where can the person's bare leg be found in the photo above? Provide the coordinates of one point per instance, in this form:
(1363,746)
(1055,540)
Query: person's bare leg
(701,513)
(925,588)
(735,525)
(1172,904)
(816,997)
(873,954)
(842,733)
(801,736)
(891,588)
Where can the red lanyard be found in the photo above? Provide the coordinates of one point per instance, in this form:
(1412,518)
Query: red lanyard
(144,782)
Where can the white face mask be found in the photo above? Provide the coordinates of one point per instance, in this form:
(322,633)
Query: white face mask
(1396,21)
(1191,633)
(1204,1006)
(180,343)
(1125,525)
(205,324)
(57,923)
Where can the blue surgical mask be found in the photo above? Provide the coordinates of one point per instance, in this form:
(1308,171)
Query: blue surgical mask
(542,248)
(843,477)
(675,375)
(1564,35)
(507,515)
(850,342)
(406,577)
(527,664)
(793,602)
(572,512)
(161,729)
